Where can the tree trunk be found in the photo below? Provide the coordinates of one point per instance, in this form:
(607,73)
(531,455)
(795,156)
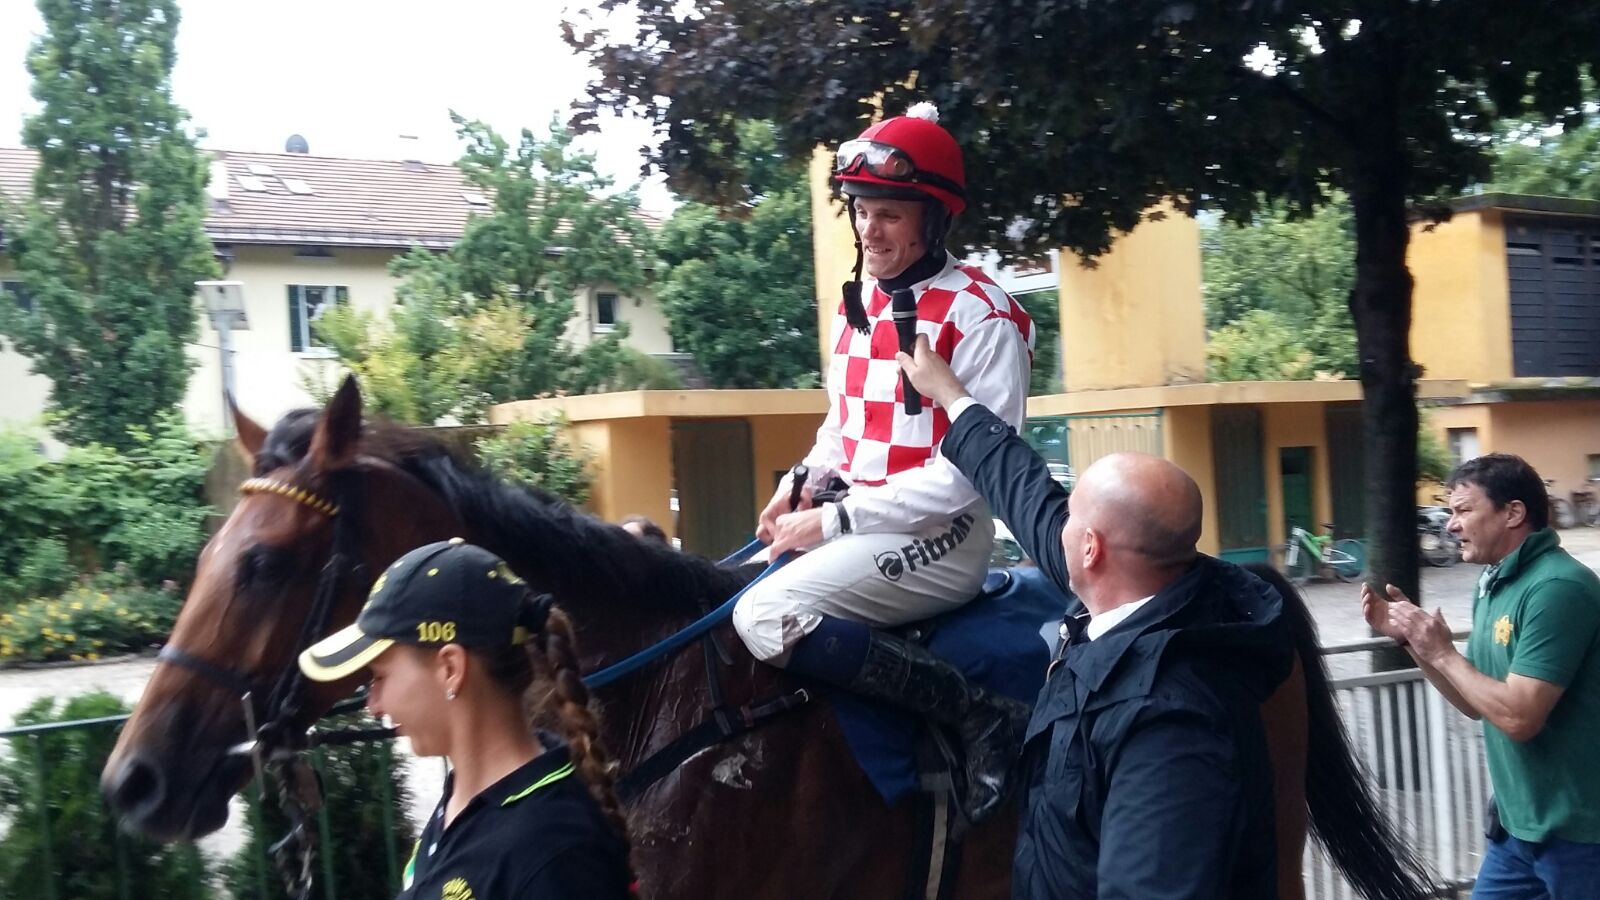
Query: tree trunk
(1381,306)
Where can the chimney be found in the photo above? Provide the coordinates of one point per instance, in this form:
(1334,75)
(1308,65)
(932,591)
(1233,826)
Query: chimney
(410,158)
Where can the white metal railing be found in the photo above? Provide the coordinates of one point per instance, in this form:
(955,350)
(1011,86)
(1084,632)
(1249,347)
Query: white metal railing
(1426,762)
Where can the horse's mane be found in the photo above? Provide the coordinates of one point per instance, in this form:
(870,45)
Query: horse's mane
(557,548)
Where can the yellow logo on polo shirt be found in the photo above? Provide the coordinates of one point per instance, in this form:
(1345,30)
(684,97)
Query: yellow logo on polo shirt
(1502,630)
(456,889)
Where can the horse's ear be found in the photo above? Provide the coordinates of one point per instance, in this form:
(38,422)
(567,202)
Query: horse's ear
(339,430)
(249,437)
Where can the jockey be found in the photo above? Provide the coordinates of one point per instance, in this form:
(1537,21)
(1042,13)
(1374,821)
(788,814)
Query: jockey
(911,538)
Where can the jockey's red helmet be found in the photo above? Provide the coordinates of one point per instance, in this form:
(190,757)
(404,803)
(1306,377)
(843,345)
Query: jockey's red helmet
(909,157)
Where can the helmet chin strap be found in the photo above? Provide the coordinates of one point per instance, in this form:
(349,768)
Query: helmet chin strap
(855,313)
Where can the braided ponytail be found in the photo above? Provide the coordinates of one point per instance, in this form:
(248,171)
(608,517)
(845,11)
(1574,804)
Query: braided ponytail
(554,662)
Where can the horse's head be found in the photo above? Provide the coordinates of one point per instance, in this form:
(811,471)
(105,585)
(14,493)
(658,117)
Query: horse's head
(259,581)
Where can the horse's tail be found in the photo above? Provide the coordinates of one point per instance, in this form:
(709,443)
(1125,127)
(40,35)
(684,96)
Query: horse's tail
(1345,815)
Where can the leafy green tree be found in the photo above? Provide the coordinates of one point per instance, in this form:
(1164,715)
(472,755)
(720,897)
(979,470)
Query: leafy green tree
(539,454)
(739,289)
(1079,118)
(1299,269)
(1044,307)
(369,837)
(111,242)
(422,363)
(1258,346)
(1276,292)
(54,778)
(1531,160)
(1433,457)
(488,321)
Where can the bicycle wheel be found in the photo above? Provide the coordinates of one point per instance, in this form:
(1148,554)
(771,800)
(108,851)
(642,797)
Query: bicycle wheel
(1561,513)
(1452,546)
(1294,562)
(1591,513)
(1436,550)
(1347,559)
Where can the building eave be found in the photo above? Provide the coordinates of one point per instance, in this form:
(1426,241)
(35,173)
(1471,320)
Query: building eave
(1527,203)
(1223,394)
(1531,390)
(705,404)
(302,237)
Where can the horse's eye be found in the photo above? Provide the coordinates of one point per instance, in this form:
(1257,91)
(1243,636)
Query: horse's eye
(262,566)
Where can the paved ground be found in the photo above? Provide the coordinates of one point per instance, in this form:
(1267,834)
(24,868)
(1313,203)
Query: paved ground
(1335,606)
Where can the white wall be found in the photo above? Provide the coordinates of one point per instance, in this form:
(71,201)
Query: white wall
(22,393)
(646,322)
(267,372)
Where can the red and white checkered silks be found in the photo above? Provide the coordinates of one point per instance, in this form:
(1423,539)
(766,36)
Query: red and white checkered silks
(961,304)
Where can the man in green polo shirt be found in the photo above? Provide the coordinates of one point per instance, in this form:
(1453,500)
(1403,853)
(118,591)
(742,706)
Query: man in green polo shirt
(1531,674)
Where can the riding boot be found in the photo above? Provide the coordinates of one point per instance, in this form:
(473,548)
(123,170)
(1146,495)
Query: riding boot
(882,666)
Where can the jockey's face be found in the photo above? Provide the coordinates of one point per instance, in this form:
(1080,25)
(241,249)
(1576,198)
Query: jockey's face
(891,234)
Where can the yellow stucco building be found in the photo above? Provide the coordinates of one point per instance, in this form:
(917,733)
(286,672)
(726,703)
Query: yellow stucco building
(1266,454)
(1507,298)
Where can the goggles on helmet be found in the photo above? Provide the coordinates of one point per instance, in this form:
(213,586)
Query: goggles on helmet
(887,162)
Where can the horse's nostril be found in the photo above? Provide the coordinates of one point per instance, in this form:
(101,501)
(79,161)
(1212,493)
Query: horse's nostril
(139,786)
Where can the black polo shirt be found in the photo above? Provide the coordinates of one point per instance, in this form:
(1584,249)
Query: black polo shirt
(536,834)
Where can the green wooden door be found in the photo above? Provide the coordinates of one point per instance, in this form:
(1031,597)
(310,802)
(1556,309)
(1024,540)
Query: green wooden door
(1294,474)
(1241,483)
(712,467)
(1347,469)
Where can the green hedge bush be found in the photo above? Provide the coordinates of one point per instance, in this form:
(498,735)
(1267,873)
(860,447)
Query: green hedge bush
(96,508)
(365,790)
(55,778)
(539,454)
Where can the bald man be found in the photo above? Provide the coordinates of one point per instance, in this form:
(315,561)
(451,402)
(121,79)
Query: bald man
(1146,764)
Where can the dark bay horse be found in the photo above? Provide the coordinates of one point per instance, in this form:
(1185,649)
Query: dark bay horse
(780,812)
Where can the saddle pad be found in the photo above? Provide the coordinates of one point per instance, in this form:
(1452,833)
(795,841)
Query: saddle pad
(1002,640)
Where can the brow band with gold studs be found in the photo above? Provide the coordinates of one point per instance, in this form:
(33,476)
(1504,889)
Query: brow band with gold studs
(282,489)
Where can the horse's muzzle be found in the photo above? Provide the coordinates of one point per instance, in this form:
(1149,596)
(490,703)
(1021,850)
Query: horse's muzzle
(153,803)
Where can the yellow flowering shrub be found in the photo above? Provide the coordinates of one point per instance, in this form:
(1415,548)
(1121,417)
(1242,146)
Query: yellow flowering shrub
(87,623)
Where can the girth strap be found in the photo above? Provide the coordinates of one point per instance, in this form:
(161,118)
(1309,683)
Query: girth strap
(726,722)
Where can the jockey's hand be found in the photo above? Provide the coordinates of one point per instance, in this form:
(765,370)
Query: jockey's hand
(767,525)
(796,531)
(931,375)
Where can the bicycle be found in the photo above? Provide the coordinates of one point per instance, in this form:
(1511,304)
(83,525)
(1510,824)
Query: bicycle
(1308,555)
(1585,503)
(1562,513)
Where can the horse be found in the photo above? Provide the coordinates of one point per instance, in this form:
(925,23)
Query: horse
(779,811)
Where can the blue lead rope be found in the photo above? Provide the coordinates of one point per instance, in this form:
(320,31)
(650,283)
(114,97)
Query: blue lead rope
(694,630)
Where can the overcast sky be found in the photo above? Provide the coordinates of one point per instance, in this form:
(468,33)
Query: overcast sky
(354,75)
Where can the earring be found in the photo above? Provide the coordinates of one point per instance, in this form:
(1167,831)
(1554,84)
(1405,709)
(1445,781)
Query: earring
(449,695)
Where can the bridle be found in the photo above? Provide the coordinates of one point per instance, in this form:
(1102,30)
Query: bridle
(273,743)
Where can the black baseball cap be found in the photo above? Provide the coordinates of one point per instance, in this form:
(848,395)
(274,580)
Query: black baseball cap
(449,592)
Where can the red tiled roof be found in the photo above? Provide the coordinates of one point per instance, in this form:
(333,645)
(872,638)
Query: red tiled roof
(295,198)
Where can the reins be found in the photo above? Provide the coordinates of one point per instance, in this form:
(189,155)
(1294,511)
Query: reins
(273,748)
(271,745)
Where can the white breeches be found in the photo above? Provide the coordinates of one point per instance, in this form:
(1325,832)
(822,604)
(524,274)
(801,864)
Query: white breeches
(879,579)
